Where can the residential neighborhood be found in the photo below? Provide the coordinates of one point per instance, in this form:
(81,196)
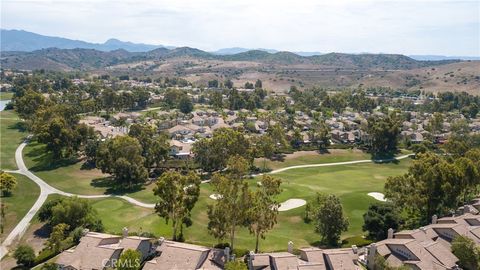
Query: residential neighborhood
(239,135)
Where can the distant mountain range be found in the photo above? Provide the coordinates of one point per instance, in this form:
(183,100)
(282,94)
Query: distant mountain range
(20,40)
(91,59)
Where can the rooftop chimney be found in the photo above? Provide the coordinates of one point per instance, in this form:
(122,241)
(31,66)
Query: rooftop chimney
(125,232)
(226,253)
(390,233)
(354,249)
(372,252)
(434,219)
(161,240)
(290,247)
(251,257)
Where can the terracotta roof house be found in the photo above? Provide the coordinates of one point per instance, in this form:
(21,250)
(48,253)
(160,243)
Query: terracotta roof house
(428,247)
(100,251)
(309,258)
(182,256)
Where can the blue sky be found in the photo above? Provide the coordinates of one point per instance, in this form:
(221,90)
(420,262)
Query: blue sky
(407,27)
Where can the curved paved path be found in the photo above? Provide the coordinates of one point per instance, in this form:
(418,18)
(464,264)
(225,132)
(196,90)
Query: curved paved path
(336,164)
(46,189)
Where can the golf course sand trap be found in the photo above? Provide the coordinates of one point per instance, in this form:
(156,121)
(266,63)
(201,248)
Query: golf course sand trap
(377,196)
(215,196)
(291,204)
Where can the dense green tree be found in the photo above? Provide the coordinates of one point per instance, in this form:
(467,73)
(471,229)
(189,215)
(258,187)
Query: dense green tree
(185,105)
(320,135)
(234,199)
(249,85)
(277,133)
(8,183)
(24,255)
(121,157)
(73,211)
(216,99)
(91,148)
(266,147)
(264,211)
(467,252)
(379,218)
(177,194)
(29,103)
(384,132)
(213,84)
(436,123)
(327,213)
(57,126)
(258,83)
(213,153)
(431,186)
(469,178)
(129,260)
(155,147)
(228,84)
(56,240)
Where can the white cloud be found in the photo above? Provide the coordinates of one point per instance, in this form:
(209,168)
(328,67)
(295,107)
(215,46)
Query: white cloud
(410,27)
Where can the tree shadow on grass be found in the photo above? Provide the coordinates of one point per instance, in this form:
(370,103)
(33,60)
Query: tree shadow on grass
(19,126)
(319,244)
(278,157)
(44,160)
(113,188)
(43,232)
(324,151)
(387,157)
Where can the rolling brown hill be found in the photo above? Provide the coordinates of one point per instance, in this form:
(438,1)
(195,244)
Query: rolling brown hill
(278,70)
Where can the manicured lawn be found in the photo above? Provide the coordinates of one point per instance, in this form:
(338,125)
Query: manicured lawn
(350,182)
(6,95)
(10,137)
(313,157)
(18,204)
(66,175)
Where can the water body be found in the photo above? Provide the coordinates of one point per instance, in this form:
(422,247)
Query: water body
(3,103)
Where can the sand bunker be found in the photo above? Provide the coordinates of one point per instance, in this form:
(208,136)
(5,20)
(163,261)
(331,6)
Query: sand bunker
(291,204)
(377,196)
(215,196)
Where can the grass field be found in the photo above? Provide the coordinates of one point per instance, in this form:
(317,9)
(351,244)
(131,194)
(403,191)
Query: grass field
(350,182)
(10,137)
(66,175)
(18,204)
(6,95)
(313,157)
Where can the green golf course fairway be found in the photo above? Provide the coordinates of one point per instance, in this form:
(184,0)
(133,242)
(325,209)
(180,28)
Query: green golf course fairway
(19,202)
(350,182)
(11,137)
